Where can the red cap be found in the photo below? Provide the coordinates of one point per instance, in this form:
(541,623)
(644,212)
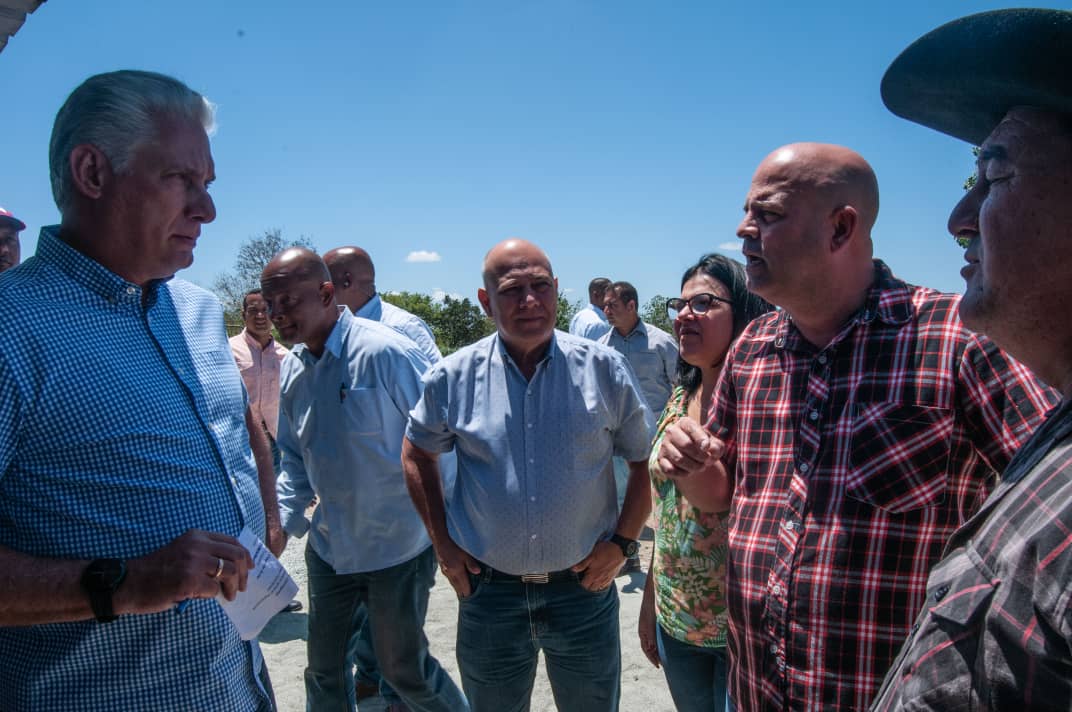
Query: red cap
(19,224)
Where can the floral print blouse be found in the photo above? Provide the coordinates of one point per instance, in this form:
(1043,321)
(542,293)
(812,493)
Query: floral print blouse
(690,554)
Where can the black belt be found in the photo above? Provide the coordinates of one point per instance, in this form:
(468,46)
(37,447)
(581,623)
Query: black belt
(489,574)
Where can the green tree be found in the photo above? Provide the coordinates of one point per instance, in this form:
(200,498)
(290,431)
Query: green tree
(654,312)
(253,256)
(565,312)
(415,303)
(460,323)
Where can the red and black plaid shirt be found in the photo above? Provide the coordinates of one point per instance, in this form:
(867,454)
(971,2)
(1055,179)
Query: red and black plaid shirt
(854,463)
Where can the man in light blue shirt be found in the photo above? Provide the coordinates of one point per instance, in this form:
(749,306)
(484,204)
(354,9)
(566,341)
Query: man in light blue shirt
(125,467)
(531,538)
(590,322)
(354,277)
(345,391)
(650,351)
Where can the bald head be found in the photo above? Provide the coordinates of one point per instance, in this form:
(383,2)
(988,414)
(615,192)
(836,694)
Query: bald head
(513,253)
(297,263)
(297,287)
(837,173)
(353,275)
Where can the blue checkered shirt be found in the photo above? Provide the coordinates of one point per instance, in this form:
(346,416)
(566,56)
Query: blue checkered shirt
(122,426)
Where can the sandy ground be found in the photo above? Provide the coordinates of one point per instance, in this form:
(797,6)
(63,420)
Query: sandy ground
(283,642)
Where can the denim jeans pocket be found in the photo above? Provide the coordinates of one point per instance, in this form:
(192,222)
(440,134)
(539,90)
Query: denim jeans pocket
(476,585)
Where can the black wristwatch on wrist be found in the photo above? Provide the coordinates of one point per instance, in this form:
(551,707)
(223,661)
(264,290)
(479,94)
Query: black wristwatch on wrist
(629,547)
(100,580)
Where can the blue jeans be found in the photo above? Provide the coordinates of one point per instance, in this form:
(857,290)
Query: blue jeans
(396,599)
(502,626)
(696,676)
(368,670)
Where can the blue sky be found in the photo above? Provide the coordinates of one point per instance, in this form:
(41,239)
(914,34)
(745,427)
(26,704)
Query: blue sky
(620,136)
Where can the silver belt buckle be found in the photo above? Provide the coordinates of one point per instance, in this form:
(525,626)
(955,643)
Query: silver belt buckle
(535,578)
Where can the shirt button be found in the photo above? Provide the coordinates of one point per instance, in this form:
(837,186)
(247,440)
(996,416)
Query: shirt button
(530,425)
(822,358)
(532,460)
(131,291)
(789,525)
(773,648)
(533,537)
(940,592)
(776,591)
(814,415)
(532,499)
(803,468)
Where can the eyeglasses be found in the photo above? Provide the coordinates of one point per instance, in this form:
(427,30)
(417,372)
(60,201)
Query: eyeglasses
(699,304)
(258,310)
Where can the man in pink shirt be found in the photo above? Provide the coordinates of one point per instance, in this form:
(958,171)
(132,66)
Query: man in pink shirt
(258,356)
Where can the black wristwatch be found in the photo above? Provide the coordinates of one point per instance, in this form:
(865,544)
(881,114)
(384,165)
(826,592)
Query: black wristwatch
(629,547)
(100,580)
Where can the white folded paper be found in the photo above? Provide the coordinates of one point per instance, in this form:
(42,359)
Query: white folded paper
(268,589)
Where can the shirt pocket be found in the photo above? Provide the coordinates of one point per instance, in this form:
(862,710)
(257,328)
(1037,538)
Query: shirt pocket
(899,455)
(948,651)
(365,410)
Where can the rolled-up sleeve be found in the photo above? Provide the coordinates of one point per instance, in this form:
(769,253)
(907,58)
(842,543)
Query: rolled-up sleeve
(428,427)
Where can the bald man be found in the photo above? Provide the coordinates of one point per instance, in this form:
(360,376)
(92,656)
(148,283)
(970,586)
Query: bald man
(354,277)
(531,538)
(345,392)
(854,430)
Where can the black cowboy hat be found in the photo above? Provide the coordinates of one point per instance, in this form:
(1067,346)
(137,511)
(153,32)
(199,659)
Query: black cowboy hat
(963,77)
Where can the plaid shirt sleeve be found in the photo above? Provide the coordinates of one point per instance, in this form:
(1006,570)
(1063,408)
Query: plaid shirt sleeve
(995,631)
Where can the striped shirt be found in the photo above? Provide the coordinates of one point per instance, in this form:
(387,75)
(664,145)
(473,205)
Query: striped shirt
(122,426)
(995,632)
(854,462)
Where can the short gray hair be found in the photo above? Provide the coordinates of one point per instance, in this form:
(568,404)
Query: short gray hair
(117,112)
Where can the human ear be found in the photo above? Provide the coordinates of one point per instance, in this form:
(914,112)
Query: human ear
(844,222)
(485,301)
(90,170)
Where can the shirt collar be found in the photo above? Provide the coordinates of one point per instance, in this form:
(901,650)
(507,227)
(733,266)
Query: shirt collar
(333,345)
(254,344)
(88,272)
(888,300)
(372,309)
(552,347)
(599,311)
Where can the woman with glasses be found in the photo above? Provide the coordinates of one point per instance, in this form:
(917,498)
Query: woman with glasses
(683,614)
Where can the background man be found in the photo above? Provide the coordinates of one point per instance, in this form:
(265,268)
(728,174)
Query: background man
(258,356)
(10,227)
(650,351)
(995,631)
(122,490)
(346,389)
(590,322)
(861,424)
(354,277)
(531,539)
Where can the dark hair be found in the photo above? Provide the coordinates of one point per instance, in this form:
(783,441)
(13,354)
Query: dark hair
(746,306)
(598,286)
(248,295)
(626,292)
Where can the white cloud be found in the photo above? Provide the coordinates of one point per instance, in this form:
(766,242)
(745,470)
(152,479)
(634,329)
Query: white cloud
(567,290)
(730,246)
(440,294)
(423,256)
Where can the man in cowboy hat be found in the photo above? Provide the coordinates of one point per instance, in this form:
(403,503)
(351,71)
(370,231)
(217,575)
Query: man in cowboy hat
(996,629)
(10,227)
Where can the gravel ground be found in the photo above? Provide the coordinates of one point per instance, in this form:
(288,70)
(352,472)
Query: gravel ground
(283,642)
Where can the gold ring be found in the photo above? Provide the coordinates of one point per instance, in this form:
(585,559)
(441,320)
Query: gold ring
(219,568)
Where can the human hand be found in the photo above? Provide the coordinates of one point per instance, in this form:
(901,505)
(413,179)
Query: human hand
(687,448)
(197,564)
(600,566)
(277,539)
(456,564)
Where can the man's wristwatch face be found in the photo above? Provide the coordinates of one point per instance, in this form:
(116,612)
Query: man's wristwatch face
(100,580)
(629,547)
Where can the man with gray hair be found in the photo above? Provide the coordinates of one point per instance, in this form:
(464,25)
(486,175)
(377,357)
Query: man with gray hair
(995,632)
(123,490)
